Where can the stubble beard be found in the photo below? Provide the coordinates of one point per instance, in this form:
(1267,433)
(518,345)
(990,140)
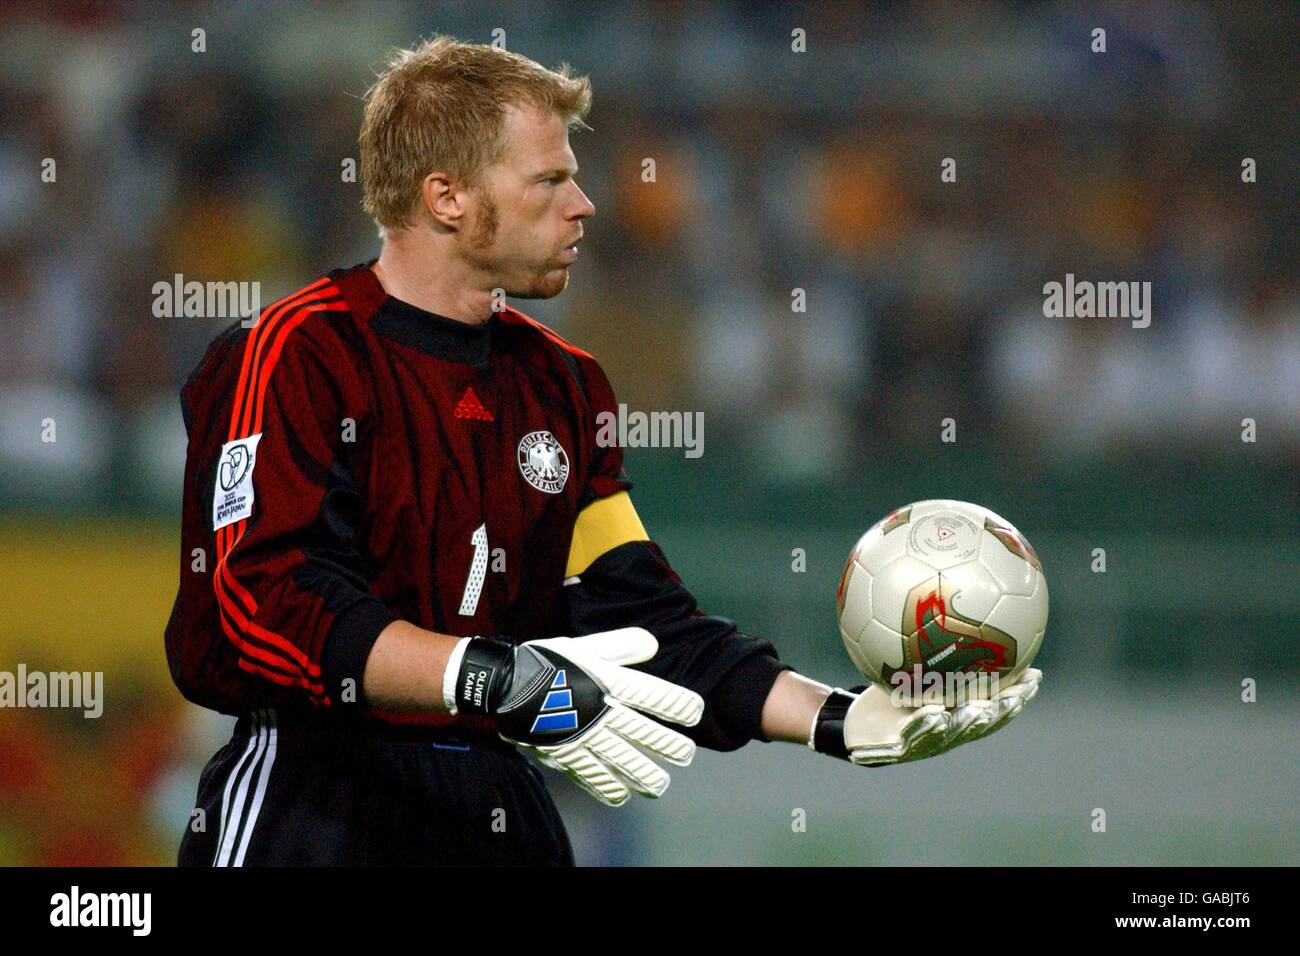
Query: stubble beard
(538,286)
(485,227)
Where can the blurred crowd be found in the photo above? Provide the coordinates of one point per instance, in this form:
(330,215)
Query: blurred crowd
(781,177)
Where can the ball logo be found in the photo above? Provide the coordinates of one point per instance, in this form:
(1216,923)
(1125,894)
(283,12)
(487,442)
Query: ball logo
(945,536)
(234,466)
(938,638)
(543,462)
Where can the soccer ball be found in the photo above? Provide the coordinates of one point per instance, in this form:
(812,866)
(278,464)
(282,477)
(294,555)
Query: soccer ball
(942,587)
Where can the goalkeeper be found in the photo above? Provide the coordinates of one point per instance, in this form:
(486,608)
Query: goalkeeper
(407,561)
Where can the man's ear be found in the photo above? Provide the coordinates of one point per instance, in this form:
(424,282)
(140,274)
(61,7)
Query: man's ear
(441,200)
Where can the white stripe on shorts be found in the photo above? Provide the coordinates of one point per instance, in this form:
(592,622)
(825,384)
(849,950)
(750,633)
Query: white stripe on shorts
(232,814)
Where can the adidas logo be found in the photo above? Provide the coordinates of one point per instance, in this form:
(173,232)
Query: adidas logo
(557,711)
(470,407)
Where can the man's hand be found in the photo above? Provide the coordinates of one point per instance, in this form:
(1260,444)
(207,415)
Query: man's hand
(573,703)
(867,729)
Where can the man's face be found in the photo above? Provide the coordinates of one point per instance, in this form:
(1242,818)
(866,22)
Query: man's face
(527,217)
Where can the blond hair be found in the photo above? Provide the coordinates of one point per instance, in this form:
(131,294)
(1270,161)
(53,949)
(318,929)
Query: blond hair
(441,107)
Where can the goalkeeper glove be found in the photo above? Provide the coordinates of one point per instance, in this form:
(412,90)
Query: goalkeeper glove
(570,701)
(868,729)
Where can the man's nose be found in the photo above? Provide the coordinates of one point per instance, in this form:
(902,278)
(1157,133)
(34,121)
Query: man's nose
(585,208)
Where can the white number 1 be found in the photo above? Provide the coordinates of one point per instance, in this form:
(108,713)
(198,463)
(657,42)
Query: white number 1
(477,572)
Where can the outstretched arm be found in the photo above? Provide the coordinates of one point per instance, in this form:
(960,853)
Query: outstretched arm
(617,577)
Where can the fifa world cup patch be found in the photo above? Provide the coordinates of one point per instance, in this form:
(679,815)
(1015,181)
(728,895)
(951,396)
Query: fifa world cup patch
(232,497)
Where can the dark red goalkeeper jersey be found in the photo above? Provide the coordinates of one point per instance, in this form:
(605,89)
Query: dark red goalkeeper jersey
(354,459)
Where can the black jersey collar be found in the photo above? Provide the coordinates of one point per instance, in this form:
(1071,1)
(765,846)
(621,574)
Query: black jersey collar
(435,335)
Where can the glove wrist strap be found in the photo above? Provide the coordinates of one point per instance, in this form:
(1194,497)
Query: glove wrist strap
(451,675)
(486,667)
(828,729)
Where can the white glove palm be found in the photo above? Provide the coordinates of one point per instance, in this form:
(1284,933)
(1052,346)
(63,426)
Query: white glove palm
(876,732)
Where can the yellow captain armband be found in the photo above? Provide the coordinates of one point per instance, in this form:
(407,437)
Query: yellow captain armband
(602,526)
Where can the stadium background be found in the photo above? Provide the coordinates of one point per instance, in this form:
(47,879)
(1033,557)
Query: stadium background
(775,170)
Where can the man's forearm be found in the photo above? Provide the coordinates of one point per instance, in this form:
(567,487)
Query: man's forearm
(792,706)
(405,668)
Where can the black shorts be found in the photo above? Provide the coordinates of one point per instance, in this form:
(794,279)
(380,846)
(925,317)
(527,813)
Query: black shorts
(286,791)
